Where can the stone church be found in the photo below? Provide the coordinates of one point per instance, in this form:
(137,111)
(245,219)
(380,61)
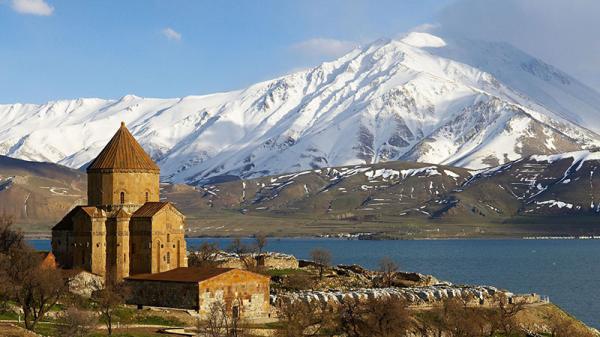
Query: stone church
(125,229)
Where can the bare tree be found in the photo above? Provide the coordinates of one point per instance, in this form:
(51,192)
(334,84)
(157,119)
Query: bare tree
(9,237)
(431,322)
(301,318)
(36,288)
(250,262)
(322,258)
(238,247)
(204,256)
(108,300)
(503,316)
(377,317)
(76,323)
(222,322)
(260,242)
(388,269)
(351,317)
(387,317)
(462,320)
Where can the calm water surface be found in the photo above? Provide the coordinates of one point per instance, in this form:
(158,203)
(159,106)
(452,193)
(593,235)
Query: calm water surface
(568,271)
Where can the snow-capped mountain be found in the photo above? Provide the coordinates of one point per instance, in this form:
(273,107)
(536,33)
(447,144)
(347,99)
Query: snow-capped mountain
(423,98)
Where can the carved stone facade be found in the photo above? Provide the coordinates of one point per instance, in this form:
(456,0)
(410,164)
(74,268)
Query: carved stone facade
(125,229)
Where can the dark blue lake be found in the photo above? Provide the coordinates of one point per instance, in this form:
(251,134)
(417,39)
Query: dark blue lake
(568,271)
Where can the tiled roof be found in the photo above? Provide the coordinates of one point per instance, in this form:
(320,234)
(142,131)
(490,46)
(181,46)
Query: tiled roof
(183,274)
(149,209)
(123,152)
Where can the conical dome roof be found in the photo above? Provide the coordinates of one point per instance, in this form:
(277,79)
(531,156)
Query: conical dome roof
(123,153)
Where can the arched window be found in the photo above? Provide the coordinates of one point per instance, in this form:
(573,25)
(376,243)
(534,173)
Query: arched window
(168,257)
(122,197)
(168,237)
(146,196)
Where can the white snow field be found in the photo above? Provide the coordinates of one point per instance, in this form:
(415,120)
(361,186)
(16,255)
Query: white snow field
(467,103)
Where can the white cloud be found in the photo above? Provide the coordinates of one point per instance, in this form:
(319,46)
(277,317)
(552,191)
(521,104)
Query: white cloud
(562,33)
(171,34)
(425,28)
(323,47)
(33,7)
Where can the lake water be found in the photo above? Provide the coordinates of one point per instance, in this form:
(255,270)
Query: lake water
(568,271)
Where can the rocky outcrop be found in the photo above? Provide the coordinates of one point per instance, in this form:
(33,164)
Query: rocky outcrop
(83,283)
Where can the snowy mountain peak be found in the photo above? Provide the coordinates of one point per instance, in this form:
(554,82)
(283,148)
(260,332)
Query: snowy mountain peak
(421,98)
(423,40)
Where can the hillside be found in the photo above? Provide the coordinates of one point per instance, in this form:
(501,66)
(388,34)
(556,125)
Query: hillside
(537,195)
(37,194)
(421,98)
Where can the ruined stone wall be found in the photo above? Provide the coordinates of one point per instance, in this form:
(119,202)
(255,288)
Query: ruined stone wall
(278,261)
(266,260)
(163,294)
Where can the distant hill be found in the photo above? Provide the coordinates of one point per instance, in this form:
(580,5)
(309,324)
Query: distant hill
(556,194)
(37,194)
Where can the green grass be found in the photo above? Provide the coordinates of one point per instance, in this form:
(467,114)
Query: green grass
(8,316)
(43,328)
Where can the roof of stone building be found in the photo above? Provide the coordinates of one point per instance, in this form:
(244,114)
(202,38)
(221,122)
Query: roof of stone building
(122,214)
(182,274)
(123,152)
(66,223)
(149,209)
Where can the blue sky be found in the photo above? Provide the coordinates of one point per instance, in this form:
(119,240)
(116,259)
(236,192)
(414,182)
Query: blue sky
(61,49)
(54,49)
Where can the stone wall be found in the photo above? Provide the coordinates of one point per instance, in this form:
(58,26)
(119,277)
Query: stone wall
(247,291)
(267,260)
(179,295)
(104,189)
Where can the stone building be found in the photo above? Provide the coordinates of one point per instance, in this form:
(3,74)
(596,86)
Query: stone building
(244,294)
(125,229)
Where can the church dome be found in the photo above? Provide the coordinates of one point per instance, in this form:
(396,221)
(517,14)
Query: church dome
(123,153)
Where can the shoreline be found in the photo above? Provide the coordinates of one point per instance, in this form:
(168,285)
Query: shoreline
(29,236)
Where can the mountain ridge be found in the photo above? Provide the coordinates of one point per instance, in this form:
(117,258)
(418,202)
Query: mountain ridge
(390,100)
(535,195)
